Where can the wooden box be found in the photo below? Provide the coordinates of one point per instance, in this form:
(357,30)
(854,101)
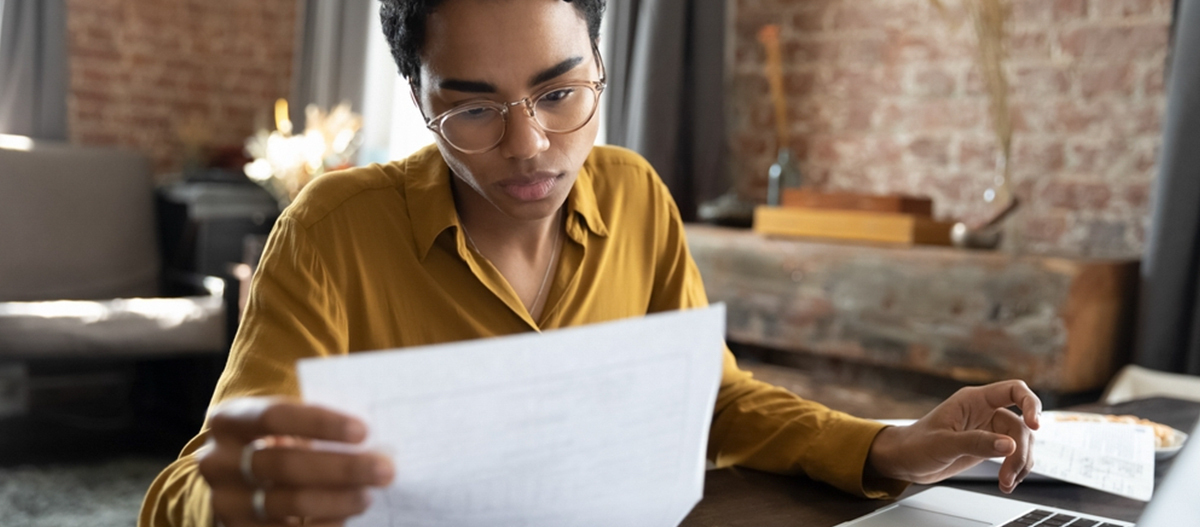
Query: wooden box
(809,199)
(906,229)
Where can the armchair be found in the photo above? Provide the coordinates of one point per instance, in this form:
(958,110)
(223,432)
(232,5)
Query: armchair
(81,286)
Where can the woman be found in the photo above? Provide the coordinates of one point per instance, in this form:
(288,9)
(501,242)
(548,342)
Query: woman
(512,222)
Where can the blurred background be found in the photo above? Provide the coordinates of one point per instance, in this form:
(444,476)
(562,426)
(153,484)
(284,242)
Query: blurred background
(147,146)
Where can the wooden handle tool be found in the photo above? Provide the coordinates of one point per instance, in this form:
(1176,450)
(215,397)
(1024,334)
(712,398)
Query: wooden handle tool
(769,37)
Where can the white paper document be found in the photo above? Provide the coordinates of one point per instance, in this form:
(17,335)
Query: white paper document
(1113,457)
(596,425)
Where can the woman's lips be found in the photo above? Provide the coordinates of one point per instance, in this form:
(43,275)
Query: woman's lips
(530,188)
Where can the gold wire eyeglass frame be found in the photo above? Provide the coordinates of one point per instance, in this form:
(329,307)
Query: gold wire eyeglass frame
(597,87)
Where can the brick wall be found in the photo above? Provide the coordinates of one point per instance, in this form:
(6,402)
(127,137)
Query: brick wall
(160,75)
(884,97)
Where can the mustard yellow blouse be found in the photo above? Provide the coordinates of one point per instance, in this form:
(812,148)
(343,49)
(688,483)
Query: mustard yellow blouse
(374,258)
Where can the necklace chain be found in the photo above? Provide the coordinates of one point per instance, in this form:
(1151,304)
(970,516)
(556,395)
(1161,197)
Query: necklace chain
(549,265)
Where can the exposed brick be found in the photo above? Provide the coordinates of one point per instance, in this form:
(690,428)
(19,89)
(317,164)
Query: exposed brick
(1029,45)
(886,96)
(1106,80)
(916,46)
(848,116)
(99,138)
(1154,79)
(977,153)
(933,81)
(1122,8)
(1120,43)
(1069,10)
(1146,159)
(865,15)
(1094,156)
(1137,234)
(750,145)
(1077,195)
(948,114)
(1033,116)
(139,67)
(1043,228)
(810,15)
(1136,195)
(1028,12)
(931,151)
(965,190)
(1076,117)
(1146,119)
(861,82)
(799,82)
(1037,157)
(1039,81)
(808,51)
(872,50)
(1108,239)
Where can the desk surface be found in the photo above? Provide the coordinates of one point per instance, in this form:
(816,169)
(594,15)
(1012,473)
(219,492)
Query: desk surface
(741,497)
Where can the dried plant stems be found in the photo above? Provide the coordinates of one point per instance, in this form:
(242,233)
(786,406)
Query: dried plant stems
(990,22)
(990,19)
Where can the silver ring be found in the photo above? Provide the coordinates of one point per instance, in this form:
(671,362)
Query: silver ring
(259,502)
(247,462)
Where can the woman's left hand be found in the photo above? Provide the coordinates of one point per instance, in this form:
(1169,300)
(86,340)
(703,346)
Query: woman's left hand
(972,425)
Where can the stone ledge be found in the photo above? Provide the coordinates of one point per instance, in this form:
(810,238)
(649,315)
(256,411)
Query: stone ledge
(1061,324)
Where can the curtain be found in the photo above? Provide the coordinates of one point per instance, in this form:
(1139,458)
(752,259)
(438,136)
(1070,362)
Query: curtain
(1170,339)
(665,95)
(330,63)
(33,69)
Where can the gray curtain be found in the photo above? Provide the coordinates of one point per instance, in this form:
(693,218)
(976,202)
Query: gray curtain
(331,57)
(1170,339)
(666,86)
(33,69)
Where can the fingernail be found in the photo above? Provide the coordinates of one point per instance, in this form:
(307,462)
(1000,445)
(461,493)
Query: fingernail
(383,471)
(1001,445)
(355,429)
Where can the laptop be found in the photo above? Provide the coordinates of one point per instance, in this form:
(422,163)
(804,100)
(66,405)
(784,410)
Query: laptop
(1175,504)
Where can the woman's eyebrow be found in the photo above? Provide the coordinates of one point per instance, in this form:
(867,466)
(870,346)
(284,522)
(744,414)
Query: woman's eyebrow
(467,86)
(555,71)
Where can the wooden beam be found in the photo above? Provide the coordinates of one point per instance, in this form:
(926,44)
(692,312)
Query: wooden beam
(1062,324)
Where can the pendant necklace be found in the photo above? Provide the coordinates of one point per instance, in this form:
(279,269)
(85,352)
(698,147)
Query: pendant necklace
(549,265)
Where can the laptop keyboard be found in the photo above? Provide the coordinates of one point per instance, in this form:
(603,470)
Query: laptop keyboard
(1041,518)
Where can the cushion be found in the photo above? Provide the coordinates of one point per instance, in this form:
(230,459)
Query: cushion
(78,223)
(122,327)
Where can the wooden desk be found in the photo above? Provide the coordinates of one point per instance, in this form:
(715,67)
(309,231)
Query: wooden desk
(741,497)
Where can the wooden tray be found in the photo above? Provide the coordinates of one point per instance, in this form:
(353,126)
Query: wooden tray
(809,199)
(908,229)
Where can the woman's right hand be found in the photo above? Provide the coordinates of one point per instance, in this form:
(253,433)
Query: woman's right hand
(263,469)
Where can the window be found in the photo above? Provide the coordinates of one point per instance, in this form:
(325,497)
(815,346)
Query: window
(392,126)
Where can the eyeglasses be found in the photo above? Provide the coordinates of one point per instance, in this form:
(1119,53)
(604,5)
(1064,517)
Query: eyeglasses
(478,127)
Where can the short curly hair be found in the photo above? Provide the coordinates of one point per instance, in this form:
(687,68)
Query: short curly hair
(404,28)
